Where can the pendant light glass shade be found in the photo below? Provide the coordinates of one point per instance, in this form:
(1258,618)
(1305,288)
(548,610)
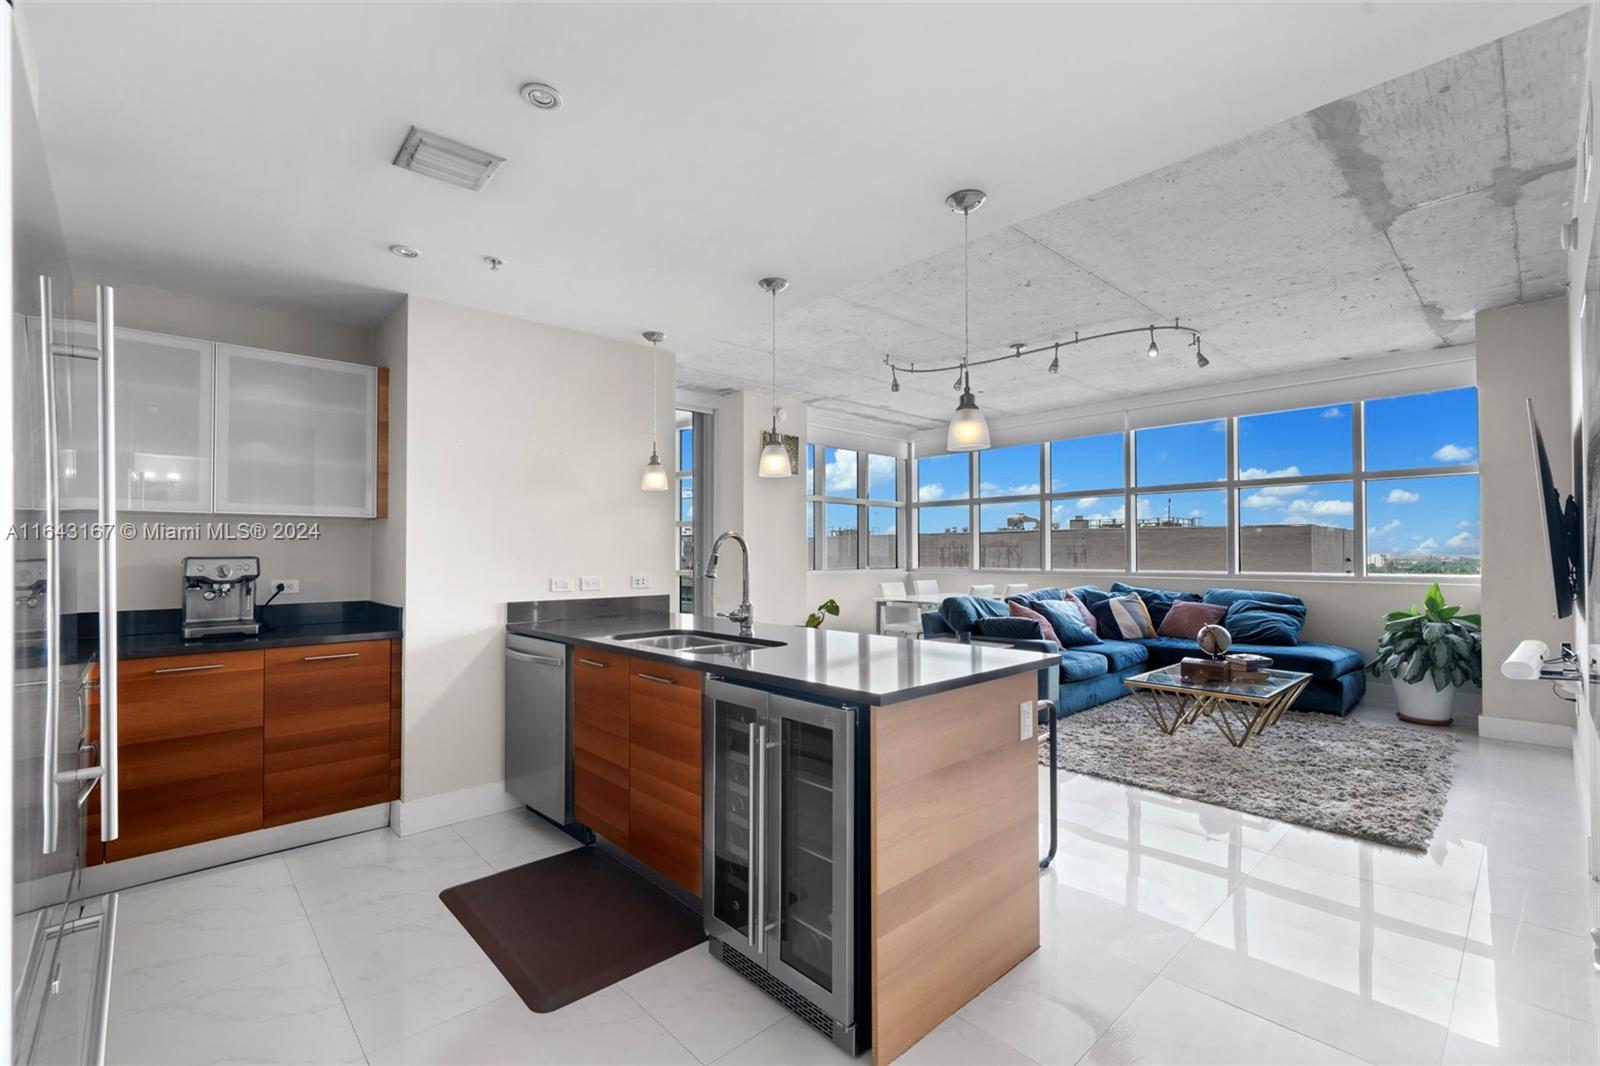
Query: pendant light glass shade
(655,475)
(969,430)
(1153,352)
(774,461)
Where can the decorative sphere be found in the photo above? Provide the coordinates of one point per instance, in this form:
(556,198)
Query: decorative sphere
(1214,640)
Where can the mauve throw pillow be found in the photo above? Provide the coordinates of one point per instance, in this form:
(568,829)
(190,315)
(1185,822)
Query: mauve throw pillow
(1020,611)
(1083,609)
(1185,620)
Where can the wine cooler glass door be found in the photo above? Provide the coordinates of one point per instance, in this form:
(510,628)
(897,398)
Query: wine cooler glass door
(734,733)
(809,786)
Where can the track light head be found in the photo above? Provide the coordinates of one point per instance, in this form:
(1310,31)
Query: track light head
(1153,352)
(1200,359)
(1055,360)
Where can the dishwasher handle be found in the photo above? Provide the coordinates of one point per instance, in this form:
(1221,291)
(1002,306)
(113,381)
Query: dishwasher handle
(537,660)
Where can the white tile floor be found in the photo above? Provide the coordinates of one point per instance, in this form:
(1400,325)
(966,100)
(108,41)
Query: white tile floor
(1173,932)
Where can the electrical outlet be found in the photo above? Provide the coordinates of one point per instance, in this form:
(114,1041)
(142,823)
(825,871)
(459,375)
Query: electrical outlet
(590,584)
(291,585)
(1025,720)
(639,581)
(561,584)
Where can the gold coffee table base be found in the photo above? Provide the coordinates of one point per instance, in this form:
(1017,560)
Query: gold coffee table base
(1172,703)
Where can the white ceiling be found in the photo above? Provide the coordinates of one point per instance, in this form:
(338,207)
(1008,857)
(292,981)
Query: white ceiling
(242,150)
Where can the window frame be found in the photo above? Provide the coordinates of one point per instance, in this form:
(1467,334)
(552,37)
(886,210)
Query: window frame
(1357,476)
(818,501)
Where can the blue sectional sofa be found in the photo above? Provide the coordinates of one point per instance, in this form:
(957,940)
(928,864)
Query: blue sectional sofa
(1092,674)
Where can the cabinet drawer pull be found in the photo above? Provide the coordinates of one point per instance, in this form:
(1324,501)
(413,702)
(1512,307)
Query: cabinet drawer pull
(656,679)
(188,669)
(596,663)
(325,658)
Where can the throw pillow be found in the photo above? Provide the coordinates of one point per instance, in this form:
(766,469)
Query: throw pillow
(1051,593)
(1255,622)
(1157,601)
(1185,620)
(1021,610)
(1228,597)
(1089,595)
(1032,599)
(961,613)
(1009,628)
(1124,618)
(1071,632)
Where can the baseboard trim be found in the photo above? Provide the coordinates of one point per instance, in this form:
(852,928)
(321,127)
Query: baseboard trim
(160,865)
(1521,731)
(408,817)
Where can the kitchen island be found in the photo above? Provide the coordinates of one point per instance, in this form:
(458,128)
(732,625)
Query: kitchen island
(930,891)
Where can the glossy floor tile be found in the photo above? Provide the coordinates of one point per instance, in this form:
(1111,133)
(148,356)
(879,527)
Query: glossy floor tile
(1171,932)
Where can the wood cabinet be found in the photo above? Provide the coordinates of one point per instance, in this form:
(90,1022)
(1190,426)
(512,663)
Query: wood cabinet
(327,729)
(636,758)
(600,742)
(664,758)
(190,745)
(214,745)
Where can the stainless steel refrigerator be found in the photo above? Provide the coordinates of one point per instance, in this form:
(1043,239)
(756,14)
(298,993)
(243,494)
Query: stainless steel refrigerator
(64,613)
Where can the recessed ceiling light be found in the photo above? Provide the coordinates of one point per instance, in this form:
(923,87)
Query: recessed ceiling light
(404,251)
(544,97)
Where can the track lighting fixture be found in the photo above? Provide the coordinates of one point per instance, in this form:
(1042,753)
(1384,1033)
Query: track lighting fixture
(1152,351)
(774,461)
(894,380)
(655,475)
(1055,360)
(1200,359)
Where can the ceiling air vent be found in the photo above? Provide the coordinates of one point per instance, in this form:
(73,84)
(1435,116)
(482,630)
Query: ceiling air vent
(434,156)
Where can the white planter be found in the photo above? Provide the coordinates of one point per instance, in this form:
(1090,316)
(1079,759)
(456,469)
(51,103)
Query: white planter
(1421,703)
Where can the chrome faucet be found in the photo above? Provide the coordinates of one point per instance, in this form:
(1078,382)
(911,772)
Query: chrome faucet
(743,613)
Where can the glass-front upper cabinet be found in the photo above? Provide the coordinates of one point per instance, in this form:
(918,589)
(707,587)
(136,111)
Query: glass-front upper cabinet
(164,416)
(295,435)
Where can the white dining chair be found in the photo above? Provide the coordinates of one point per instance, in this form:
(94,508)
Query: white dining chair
(898,619)
(1012,590)
(925,587)
(981,590)
(891,588)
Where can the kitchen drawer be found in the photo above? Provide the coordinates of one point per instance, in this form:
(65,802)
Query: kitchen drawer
(183,695)
(327,729)
(665,810)
(600,742)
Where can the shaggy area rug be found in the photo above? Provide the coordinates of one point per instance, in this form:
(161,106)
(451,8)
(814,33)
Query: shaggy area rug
(1378,782)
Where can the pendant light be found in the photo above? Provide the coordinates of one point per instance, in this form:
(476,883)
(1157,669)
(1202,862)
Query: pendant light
(774,461)
(969,430)
(1153,352)
(655,475)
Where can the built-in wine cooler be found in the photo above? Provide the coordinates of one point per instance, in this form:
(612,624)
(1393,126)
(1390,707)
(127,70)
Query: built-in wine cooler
(780,895)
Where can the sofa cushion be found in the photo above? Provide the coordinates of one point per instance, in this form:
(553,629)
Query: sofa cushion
(1321,661)
(960,613)
(1031,598)
(1121,654)
(1123,618)
(1156,601)
(1064,618)
(1078,665)
(1227,597)
(1089,595)
(1012,629)
(1187,619)
(1052,592)
(1256,622)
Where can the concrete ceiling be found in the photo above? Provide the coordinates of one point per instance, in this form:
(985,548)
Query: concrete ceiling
(242,151)
(1375,224)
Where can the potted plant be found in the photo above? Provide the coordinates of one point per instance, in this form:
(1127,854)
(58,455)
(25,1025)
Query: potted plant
(1430,653)
(815,619)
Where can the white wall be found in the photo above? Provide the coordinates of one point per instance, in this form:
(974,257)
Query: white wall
(524,447)
(334,567)
(1522,354)
(855,590)
(388,571)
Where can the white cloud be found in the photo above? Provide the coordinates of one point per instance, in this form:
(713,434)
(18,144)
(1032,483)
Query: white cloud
(1250,473)
(1454,453)
(1322,507)
(1333,412)
(1465,524)
(1462,541)
(1427,545)
(1385,529)
(1262,501)
(990,488)
(1402,496)
(841,474)
(931,491)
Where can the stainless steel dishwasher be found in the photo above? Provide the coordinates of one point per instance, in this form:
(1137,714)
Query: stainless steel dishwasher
(539,726)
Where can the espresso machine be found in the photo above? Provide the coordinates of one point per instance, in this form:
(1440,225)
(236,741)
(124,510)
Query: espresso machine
(219,596)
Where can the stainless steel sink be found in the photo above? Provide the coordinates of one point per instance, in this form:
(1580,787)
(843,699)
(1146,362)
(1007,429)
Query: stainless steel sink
(690,642)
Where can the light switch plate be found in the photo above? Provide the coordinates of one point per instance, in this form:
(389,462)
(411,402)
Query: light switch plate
(1025,720)
(561,584)
(590,584)
(639,581)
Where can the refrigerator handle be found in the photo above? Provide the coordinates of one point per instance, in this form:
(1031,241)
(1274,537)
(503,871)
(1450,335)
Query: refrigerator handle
(105,319)
(758,830)
(51,792)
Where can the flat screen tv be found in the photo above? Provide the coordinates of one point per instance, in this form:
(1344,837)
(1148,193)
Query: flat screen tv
(1563,525)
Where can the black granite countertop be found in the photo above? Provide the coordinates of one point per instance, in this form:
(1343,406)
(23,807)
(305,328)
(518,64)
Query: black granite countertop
(852,667)
(148,634)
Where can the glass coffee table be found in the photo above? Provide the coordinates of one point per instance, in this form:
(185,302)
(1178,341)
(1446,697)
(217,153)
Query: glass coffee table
(1240,709)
